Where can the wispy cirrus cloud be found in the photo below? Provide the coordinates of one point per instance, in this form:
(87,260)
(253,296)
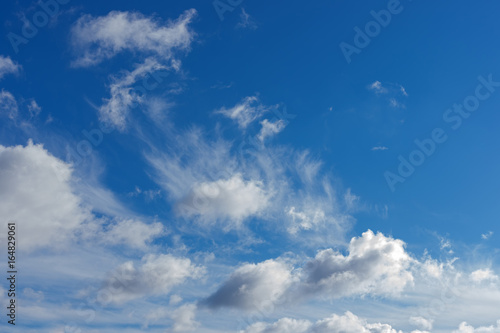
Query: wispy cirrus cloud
(7,66)
(96,39)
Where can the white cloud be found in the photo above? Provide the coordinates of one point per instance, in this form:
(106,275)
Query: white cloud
(8,105)
(284,325)
(7,66)
(245,112)
(465,328)
(116,109)
(234,199)
(481,275)
(347,323)
(34,109)
(31,294)
(184,319)
(377,87)
(135,234)
(36,193)
(376,264)
(196,173)
(379,148)
(270,128)
(305,220)
(246,21)
(156,275)
(396,104)
(487,235)
(97,39)
(253,286)
(421,322)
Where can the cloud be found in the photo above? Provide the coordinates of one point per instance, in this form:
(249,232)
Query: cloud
(7,66)
(376,265)
(34,109)
(115,110)
(347,323)
(234,199)
(205,177)
(8,105)
(396,104)
(37,194)
(378,88)
(156,275)
(184,319)
(135,234)
(270,128)
(245,112)
(465,328)
(487,235)
(101,38)
(246,21)
(376,148)
(421,323)
(253,286)
(392,89)
(481,275)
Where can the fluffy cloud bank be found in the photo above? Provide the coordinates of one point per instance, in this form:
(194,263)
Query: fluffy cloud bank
(252,286)
(375,265)
(156,275)
(348,323)
(38,193)
(234,199)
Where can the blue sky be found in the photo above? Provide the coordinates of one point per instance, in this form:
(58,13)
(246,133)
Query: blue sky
(233,166)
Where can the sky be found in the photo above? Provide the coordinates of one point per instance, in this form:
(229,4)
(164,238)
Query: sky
(250,167)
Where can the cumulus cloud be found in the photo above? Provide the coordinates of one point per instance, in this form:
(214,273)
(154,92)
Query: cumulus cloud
(245,112)
(279,184)
(481,275)
(465,328)
(97,39)
(7,66)
(8,105)
(253,286)
(37,194)
(133,233)
(156,275)
(376,264)
(421,322)
(347,323)
(40,193)
(184,319)
(234,199)
(270,128)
